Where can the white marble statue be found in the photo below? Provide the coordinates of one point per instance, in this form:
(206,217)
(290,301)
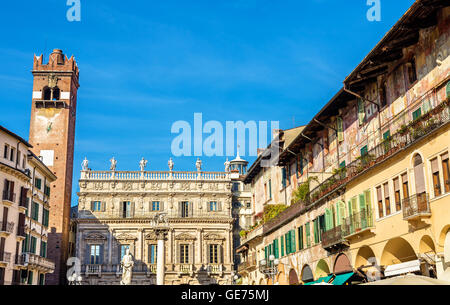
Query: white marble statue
(227,165)
(127,264)
(113,164)
(143,164)
(198,165)
(85,164)
(171,164)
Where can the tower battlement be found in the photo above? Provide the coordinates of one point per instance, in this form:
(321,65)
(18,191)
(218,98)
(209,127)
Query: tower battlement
(57,61)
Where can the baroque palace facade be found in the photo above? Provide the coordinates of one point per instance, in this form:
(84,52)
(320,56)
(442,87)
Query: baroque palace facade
(186,214)
(366,183)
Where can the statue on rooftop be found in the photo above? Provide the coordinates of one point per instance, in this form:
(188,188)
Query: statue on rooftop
(85,164)
(143,164)
(113,164)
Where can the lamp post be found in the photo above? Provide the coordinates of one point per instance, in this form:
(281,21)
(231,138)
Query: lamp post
(269,269)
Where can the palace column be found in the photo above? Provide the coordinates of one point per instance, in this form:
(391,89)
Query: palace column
(160,261)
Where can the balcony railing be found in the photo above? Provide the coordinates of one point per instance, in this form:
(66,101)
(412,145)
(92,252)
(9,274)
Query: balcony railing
(248,264)
(154,175)
(19,260)
(224,213)
(416,206)
(93,269)
(405,136)
(7,227)
(215,269)
(9,196)
(333,238)
(358,222)
(185,269)
(31,259)
(5,257)
(21,231)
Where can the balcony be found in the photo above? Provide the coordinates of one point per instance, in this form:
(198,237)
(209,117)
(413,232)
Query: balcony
(358,223)
(248,265)
(185,269)
(8,197)
(93,270)
(19,260)
(334,239)
(6,228)
(38,262)
(21,231)
(416,206)
(214,269)
(5,258)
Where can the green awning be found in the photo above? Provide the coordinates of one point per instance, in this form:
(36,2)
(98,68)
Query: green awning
(324,279)
(342,278)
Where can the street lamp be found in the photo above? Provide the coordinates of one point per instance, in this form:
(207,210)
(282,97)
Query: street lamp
(269,269)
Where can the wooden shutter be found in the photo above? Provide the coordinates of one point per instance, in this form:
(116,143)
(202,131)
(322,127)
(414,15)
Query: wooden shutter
(208,206)
(2,246)
(219,206)
(328,220)
(161,206)
(191,209)
(368,197)
(87,254)
(11,190)
(308,234)
(103,206)
(340,129)
(316,230)
(350,212)
(101,254)
(362,202)
(132,210)
(293,243)
(190,254)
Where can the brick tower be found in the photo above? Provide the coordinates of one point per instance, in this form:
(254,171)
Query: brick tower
(52,134)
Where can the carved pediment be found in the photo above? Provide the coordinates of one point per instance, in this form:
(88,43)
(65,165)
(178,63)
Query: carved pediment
(94,236)
(185,236)
(213,236)
(151,236)
(126,236)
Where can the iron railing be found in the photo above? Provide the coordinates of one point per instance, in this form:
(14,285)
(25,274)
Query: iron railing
(358,221)
(416,205)
(333,237)
(248,264)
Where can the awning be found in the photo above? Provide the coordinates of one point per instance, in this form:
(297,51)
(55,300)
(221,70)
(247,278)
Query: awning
(341,279)
(397,269)
(324,279)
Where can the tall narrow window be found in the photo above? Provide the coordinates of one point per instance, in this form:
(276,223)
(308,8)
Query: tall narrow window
(446,170)
(184,254)
(185,209)
(398,204)
(419,175)
(436,180)
(123,250)
(127,209)
(155,205)
(213,206)
(152,253)
(412,73)
(308,235)
(213,254)
(383,95)
(270,189)
(380,202)
(94,255)
(405,186)
(5,152)
(300,238)
(387,201)
(96,206)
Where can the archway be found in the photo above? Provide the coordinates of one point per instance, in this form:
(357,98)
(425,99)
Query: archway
(307,274)
(342,264)
(365,257)
(397,251)
(322,269)
(426,246)
(293,278)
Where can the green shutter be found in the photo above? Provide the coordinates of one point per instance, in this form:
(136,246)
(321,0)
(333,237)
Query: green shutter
(328,220)
(448,89)
(362,202)
(349,207)
(364,151)
(266,254)
(416,114)
(293,243)
(316,230)
(340,129)
(282,245)
(300,237)
(308,235)
(275,248)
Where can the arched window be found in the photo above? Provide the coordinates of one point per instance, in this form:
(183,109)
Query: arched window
(56,94)
(47,93)
(419,175)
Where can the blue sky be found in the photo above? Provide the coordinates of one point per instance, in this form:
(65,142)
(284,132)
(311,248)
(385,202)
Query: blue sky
(146,64)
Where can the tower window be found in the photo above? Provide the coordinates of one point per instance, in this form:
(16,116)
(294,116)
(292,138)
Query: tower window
(47,93)
(56,94)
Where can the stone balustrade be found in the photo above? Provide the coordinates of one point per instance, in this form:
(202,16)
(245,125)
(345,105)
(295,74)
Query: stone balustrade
(154,175)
